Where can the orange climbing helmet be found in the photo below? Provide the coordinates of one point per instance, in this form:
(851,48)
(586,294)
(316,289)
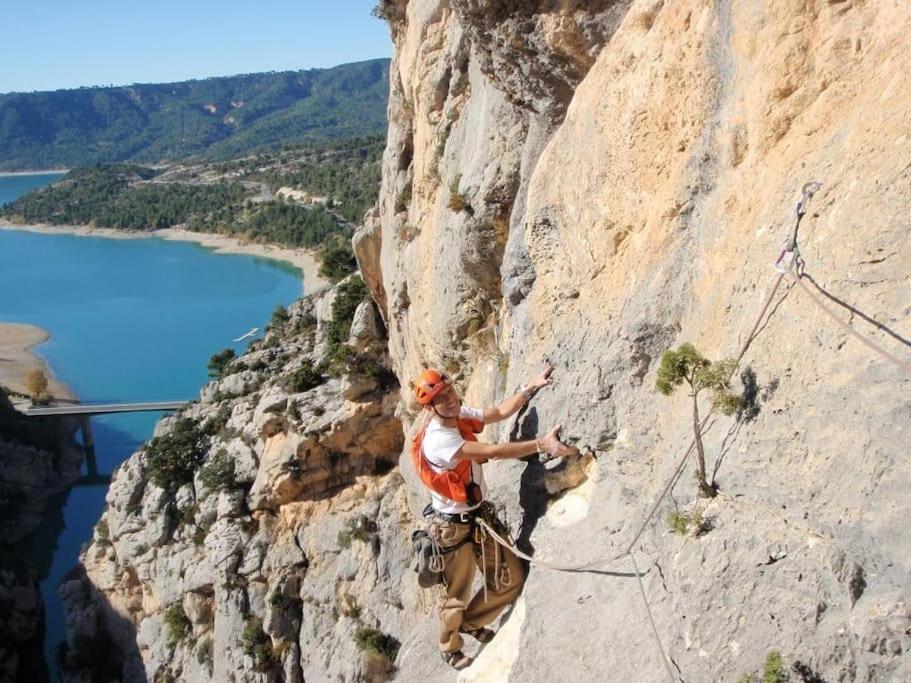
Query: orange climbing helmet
(428,384)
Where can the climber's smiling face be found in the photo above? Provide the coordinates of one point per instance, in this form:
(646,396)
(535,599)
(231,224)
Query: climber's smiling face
(447,403)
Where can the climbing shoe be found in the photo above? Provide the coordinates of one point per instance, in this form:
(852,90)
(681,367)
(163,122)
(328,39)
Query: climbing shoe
(482,635)
(457,660)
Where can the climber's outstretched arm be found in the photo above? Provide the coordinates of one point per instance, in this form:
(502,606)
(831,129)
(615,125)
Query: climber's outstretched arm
(511,405)
(549,443)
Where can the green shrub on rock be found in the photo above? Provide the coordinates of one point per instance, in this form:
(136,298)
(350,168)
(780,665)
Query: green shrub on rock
(303,379)
(218,473)
(219,363)
(255,643)
(372,641)
(173,458)
(337,258)
(176,623)
(204,654)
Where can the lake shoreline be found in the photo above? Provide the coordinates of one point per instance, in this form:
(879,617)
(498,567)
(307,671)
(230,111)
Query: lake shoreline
(302,259)
(17,359)
(46,171)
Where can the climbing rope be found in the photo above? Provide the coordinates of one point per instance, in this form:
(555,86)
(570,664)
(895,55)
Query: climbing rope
(789,262)
(800,278)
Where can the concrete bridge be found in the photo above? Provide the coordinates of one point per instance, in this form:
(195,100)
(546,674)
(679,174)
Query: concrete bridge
(84,412)
(103,408)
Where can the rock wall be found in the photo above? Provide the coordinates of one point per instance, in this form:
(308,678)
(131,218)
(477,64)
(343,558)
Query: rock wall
(288,537)
(593,183)
(39,461)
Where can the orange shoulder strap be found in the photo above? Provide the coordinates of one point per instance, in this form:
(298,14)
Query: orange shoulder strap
(448,483)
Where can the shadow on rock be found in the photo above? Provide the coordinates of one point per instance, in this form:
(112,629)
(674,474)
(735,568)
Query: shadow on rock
(101,644)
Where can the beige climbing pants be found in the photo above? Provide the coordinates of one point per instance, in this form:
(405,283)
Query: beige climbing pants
(504,577)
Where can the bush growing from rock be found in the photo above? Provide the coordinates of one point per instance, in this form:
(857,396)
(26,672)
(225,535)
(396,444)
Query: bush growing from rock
(102,533)
(255,643)
(204,654)
(337,258)
(773,671)
(36,383)
(458,201)
(372,641)
(305,323)
(687,365)
(218,473)
(173,458)
(303,379)
(176,623)
(219,363)
(348,297)
(188,515)
(280,318)
(358,528)
(215,424)
(684,522)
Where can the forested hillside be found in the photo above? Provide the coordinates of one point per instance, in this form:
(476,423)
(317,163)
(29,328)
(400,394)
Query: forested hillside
(300,196)
(215,118)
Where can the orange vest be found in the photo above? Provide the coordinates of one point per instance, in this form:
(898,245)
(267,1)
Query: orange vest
(448,483)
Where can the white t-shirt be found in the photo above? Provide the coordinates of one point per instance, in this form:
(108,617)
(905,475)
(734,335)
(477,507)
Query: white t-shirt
(440,446)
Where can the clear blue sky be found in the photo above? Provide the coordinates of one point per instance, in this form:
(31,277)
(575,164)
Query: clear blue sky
(52,44)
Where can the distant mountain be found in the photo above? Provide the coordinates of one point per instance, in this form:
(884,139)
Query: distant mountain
(215,117)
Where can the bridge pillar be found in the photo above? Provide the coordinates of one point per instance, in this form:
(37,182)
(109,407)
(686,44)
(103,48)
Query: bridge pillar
(88,442)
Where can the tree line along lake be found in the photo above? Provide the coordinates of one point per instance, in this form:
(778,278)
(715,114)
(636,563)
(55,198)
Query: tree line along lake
(129,320)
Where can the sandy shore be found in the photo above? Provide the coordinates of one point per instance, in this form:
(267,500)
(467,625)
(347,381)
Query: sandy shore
(302,259)
(17,359)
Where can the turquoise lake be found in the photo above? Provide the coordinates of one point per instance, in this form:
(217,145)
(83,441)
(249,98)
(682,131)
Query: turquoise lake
(131,320)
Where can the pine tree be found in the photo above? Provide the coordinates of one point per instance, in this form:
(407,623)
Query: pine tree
(686,364)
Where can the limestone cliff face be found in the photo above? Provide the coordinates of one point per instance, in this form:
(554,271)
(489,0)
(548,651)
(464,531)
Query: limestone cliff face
(289,536)
(39,461)
(593,183)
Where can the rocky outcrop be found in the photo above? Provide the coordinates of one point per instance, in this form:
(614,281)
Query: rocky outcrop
(38,461)
(593,183)
(288,537)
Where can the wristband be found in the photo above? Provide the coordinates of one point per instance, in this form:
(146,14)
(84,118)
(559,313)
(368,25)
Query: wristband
(538,446)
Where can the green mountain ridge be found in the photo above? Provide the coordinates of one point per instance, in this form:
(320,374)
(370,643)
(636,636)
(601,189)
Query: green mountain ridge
(219,118)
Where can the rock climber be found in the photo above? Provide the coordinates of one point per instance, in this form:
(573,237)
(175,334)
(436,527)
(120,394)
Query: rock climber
(449,458)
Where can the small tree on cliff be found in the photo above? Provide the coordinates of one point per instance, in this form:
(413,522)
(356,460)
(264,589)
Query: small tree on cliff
(218,363)
(280,318)
(686,364)
(36,383)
